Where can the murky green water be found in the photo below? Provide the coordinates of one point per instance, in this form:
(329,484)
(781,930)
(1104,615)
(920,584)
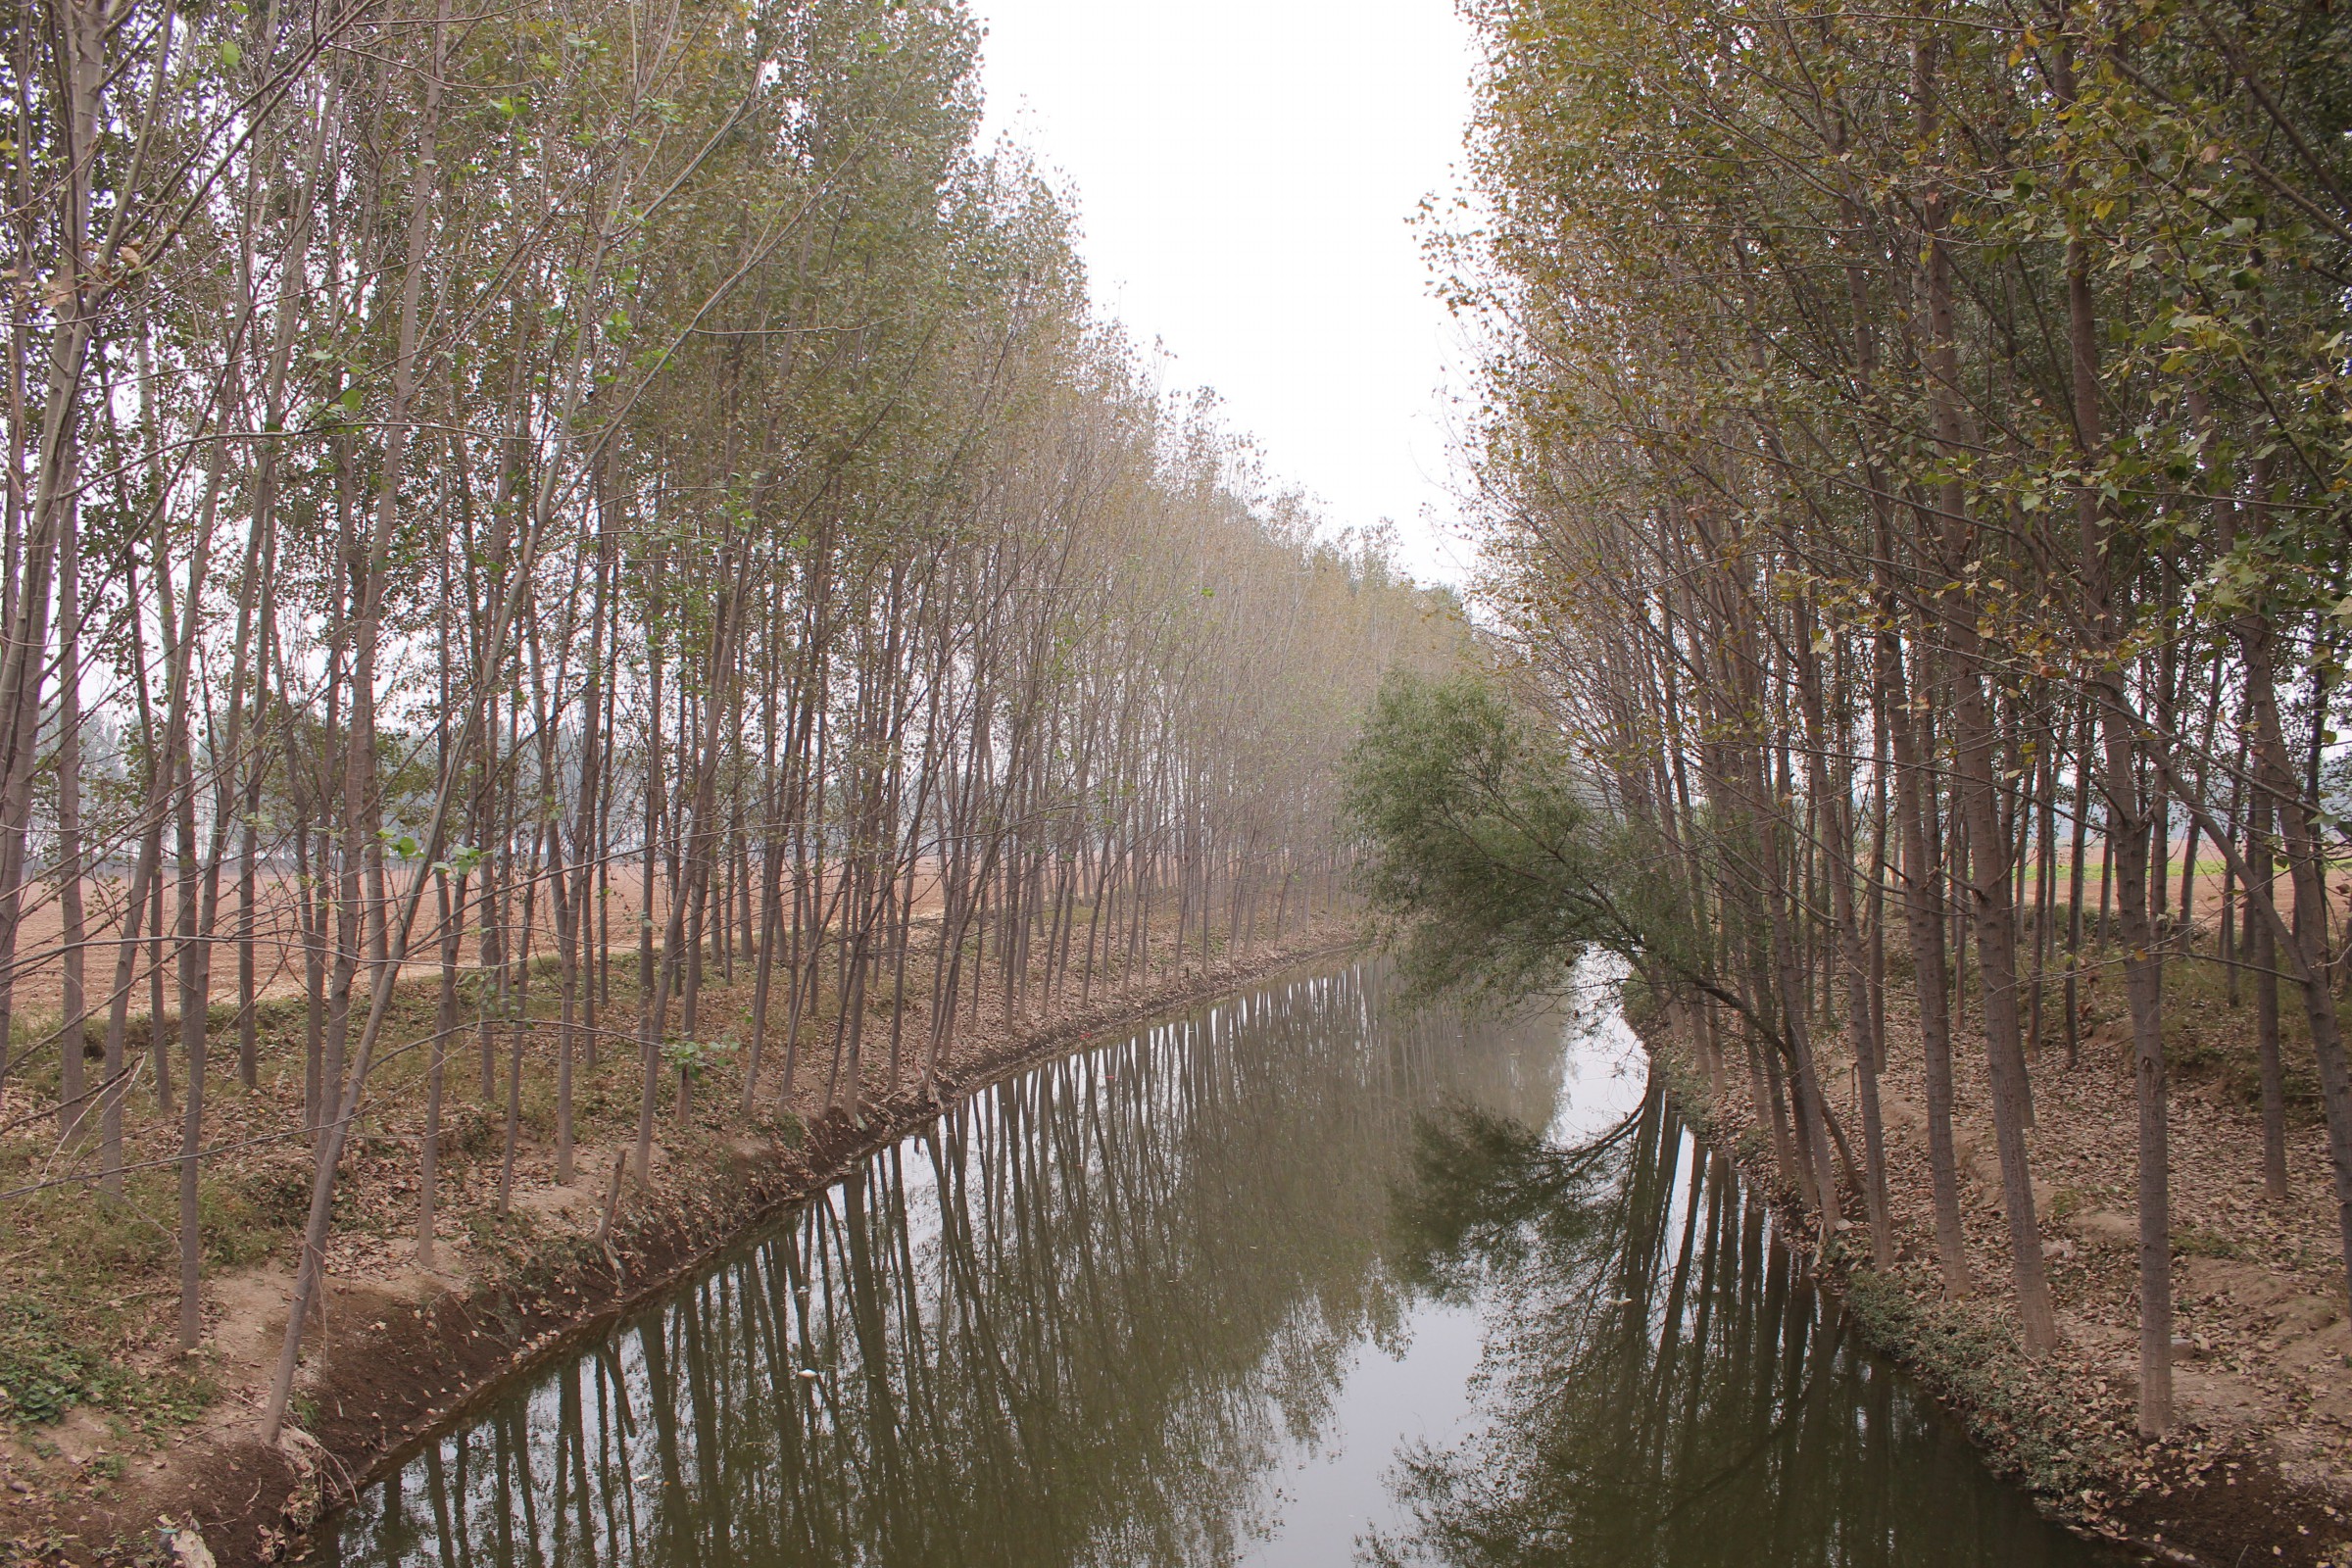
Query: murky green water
(1289,1281)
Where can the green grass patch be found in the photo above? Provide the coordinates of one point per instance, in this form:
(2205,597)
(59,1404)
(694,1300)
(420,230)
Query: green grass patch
(2208,1040)
(246,1220)
(45,1372)
(2195,1240)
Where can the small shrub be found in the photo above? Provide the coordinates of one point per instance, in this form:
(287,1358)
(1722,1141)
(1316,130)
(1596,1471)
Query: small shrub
(697,1059)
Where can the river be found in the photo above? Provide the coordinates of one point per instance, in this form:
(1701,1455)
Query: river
(1291,1280)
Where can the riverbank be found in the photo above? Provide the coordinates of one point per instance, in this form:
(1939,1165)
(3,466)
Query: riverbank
(2259,1466)
(407,1349)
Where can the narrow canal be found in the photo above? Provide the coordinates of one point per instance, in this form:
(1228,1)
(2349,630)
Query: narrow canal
(1292,1280)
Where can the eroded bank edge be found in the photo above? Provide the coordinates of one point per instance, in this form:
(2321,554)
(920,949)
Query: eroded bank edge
(2026,1437)
(431,1366)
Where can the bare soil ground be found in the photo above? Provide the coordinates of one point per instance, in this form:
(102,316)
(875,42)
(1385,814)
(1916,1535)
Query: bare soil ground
(2260,1467)
(113,1432)
(39,989)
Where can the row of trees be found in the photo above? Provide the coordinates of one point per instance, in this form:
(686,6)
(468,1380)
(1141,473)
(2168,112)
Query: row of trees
(1915,461)
(480,482)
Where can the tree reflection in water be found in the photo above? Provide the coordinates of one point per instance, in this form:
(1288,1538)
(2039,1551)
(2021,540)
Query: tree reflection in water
(1662,1386)
(1079,1321)
(1112,1312)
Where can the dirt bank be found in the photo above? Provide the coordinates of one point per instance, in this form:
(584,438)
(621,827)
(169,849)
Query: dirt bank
(407,1351)
(2259,1467)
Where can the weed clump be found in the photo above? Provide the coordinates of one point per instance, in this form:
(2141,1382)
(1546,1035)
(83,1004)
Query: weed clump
(1974,1362)
(44,1374)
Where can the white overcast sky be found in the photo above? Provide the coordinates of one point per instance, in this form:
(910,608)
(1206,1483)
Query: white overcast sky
(1245,172)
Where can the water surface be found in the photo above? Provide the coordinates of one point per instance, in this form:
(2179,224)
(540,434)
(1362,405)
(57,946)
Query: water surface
(1292,1280)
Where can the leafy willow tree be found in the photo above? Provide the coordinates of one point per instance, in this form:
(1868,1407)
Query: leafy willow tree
(1496,862)
(1491,864)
